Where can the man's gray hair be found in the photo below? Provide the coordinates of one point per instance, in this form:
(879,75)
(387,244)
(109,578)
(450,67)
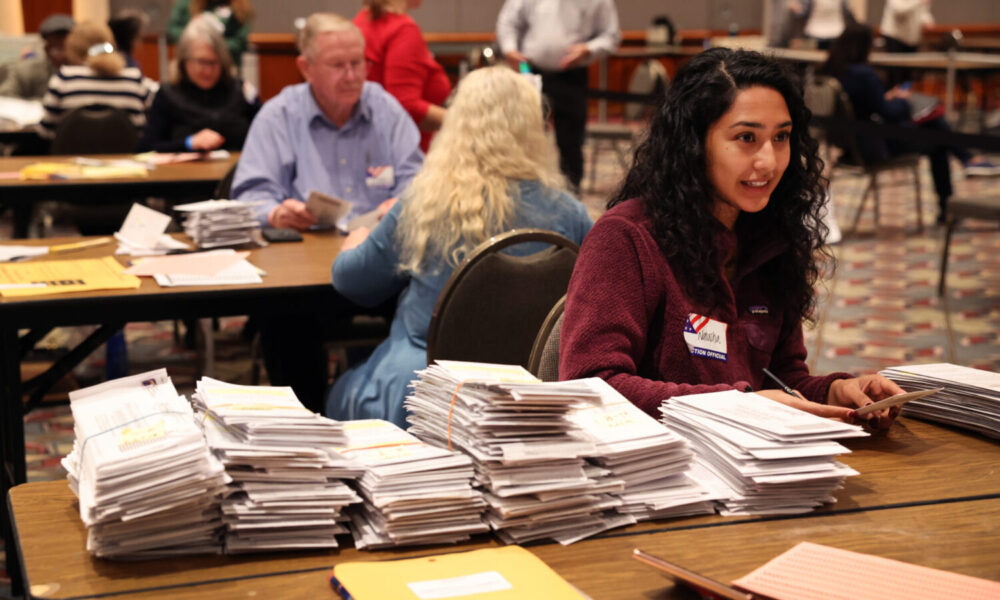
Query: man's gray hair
(318,23)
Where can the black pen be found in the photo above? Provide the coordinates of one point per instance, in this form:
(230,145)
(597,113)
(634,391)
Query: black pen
(784,387)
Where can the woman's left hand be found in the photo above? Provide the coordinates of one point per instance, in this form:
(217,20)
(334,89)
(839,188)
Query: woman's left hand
(865,390)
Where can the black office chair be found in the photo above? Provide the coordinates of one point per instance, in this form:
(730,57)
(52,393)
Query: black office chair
(96,129)
(225,187)
(491,308)
(544,361)
(826,98)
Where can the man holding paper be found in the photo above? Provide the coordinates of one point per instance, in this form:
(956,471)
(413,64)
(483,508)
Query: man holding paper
(335,134)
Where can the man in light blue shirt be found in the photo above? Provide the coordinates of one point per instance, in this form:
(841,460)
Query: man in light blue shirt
(335,134)
(558,39)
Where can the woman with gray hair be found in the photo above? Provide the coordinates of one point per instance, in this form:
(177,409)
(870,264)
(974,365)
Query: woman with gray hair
(203,106)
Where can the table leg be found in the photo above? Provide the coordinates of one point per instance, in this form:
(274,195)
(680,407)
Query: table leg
(949,88)
(12,467)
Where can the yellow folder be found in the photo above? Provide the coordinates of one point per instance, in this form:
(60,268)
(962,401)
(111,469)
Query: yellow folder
(493,573)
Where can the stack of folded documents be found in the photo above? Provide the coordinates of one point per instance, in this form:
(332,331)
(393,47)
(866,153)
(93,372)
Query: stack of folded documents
(652,461)
(529,454)
(773,459)
(414,493)
(223,266)
(215,223)
(970,398)
(288,490)
(147,483)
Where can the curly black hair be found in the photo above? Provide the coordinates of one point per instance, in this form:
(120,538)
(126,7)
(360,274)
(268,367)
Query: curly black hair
(669,176)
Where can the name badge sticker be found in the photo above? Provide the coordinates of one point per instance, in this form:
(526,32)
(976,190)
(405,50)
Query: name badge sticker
(381,177)
(706,337)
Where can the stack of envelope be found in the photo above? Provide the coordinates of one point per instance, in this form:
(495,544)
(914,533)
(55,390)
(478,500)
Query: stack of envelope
(414,493)
(216,223)
(970,398)
(652,462)
(147,483)
(288,486)
(529,454)
(772,459)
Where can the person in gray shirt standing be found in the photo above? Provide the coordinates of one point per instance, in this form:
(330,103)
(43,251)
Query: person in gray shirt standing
(558,39)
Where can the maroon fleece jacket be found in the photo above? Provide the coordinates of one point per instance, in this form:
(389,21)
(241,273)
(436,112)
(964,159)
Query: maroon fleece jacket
(626,315)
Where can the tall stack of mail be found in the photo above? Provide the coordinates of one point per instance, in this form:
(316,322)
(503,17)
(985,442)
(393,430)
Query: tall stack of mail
(414,493)
(774,459)
(653,462)
(970,398)
(529,454)
(288,490)
(147,484)
(215,223)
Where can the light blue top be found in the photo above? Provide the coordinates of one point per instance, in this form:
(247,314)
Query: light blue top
(292,148)
(369,275)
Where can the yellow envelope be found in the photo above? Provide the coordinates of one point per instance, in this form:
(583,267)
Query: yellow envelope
(61,276)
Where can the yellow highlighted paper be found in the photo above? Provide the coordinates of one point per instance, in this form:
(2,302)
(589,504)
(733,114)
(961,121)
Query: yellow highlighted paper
(62,276)
(495,573)
(55,170)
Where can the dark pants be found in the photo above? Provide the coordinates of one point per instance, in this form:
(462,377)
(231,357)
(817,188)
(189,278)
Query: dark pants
(938,155)
(567,95)
(293,345)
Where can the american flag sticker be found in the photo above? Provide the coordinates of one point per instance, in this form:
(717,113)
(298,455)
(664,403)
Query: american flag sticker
(381,177)
(705,337)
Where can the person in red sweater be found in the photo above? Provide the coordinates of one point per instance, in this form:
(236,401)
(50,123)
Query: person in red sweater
(399,60)
(700,273)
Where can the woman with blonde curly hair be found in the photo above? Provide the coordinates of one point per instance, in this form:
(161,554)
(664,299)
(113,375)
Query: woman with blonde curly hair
(95,73)
(491,168)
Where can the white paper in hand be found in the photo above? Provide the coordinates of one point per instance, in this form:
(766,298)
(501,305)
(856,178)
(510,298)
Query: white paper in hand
(328,210)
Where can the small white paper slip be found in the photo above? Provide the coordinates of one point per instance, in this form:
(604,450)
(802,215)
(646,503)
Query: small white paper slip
(11,252)
(466,585)
(895,401)
(327,209)
(143,226)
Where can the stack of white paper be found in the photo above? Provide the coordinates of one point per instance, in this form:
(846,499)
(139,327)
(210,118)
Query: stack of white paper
(970,398)
(652,461)
(529,454)
(147,484)
(215,223)
(773,459)
(288,490)
(413,493)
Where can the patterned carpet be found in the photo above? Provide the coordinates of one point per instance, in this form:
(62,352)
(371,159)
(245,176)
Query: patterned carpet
(879,307)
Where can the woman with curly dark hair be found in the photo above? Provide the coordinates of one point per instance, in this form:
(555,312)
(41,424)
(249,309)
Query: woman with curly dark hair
(702,270)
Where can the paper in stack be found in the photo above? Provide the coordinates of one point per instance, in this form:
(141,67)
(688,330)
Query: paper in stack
(652,461)
(288,490)
(529,454)
(773,459)
(147,484)
(216,223)
(970,398)
(414,493)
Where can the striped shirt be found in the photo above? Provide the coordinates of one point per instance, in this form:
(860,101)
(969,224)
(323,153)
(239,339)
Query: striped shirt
(74,86)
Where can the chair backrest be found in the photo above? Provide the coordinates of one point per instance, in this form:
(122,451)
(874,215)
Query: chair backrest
(825,97)
(225,185)
(544,360)
(648,78)
(95,129)
(492,306)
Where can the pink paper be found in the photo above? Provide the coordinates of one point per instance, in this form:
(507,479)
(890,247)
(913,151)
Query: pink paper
(816,572)
(207,264)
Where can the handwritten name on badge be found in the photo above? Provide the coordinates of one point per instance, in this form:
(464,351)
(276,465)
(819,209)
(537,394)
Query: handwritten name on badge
(706,337)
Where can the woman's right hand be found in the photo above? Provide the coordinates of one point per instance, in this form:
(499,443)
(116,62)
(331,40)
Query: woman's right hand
(206,140)
(840,413)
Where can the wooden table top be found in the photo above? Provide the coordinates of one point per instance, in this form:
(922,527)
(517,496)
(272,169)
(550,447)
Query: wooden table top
(201,170)
(926,494)
(291,266)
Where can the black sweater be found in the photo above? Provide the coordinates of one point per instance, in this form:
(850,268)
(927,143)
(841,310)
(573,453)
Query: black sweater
(185,109)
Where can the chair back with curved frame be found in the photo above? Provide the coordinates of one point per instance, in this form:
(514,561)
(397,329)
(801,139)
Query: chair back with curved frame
(544,360)
(96,129)
(492,306)
(225,186)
